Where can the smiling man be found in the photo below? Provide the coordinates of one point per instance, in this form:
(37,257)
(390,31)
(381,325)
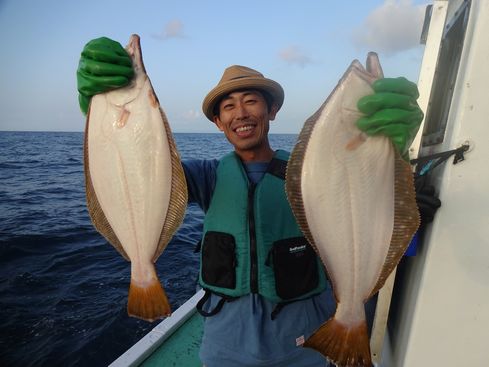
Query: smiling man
(263,281)
(266,290)
(242,106)
(244,118)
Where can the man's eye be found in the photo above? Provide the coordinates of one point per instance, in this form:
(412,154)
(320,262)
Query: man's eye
(250,101)
(227,106)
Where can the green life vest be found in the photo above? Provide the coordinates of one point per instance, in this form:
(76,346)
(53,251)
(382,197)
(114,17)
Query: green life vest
(252,243)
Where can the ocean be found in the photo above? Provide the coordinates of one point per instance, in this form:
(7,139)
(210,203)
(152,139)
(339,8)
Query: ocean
(63,288)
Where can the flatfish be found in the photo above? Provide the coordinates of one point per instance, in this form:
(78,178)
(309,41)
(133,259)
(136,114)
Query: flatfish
(135,185)
(354,199)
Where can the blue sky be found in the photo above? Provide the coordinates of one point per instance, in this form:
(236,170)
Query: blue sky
(304,45)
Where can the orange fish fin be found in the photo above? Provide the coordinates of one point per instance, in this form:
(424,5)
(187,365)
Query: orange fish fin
(148,302)
(343,345)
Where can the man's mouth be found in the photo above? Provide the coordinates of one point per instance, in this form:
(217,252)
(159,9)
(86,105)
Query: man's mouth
(244,128)
(245,131)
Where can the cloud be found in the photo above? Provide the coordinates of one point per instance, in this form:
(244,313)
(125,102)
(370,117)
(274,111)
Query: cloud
(173,29)
(191,115)
(294,56)
(393,27)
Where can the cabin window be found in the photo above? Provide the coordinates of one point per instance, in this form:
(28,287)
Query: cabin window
(445,76)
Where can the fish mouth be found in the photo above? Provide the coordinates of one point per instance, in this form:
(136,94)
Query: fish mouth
(133,45)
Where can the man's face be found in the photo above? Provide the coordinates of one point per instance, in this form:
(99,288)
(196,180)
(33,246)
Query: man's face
(244,118)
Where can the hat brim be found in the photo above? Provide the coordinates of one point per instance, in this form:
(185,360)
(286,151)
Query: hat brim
(215,95)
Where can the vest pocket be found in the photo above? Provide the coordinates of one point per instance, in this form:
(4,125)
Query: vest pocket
(219,260)
(295,267)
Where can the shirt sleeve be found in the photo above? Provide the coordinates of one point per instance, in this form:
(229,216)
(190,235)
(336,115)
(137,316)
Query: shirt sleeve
(201,180)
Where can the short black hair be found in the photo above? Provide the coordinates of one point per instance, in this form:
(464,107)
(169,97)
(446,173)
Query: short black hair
(268,99)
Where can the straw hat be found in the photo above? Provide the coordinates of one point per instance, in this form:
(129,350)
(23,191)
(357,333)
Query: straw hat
(240,77)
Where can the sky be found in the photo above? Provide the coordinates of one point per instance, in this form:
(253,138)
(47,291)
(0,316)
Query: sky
(306,46)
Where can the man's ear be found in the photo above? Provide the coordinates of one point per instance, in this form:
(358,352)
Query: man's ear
(218,122)
(273,112)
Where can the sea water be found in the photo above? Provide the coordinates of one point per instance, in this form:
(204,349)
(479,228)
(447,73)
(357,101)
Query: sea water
(63,288)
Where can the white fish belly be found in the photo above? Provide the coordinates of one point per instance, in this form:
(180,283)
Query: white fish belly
(348,195)
(130,168)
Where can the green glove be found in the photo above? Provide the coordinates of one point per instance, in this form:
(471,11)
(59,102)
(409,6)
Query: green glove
(392,111)
(104,65)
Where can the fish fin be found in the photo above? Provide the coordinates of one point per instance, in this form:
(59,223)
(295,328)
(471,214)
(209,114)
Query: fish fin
(293,176)
(95,211)
(148,302)
(178,197)
(406,219)
(343,345)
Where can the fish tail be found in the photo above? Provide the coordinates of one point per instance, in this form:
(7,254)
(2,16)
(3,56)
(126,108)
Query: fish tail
(148,301)
(342,344)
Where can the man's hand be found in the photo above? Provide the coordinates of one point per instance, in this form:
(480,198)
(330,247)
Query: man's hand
(427,200)
(392,111)
(104,65)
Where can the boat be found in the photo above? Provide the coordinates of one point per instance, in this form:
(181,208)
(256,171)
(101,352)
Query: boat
(432,311)
(438,314)
(173,342)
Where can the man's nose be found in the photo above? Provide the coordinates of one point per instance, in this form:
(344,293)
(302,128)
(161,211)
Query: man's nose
(241,112)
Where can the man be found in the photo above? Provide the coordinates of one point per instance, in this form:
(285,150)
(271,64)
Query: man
(261,302)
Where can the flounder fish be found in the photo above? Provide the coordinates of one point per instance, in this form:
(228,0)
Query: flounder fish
(354,199)
(135,185)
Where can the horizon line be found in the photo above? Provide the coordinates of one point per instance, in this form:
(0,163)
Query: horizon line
(173,132)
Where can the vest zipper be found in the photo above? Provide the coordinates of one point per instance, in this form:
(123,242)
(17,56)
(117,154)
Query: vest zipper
(253,251)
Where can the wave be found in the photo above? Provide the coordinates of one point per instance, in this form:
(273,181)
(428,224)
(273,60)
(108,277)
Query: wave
(64,288)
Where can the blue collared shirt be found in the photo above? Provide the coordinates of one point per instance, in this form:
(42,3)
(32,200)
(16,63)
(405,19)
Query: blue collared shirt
(243,333)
